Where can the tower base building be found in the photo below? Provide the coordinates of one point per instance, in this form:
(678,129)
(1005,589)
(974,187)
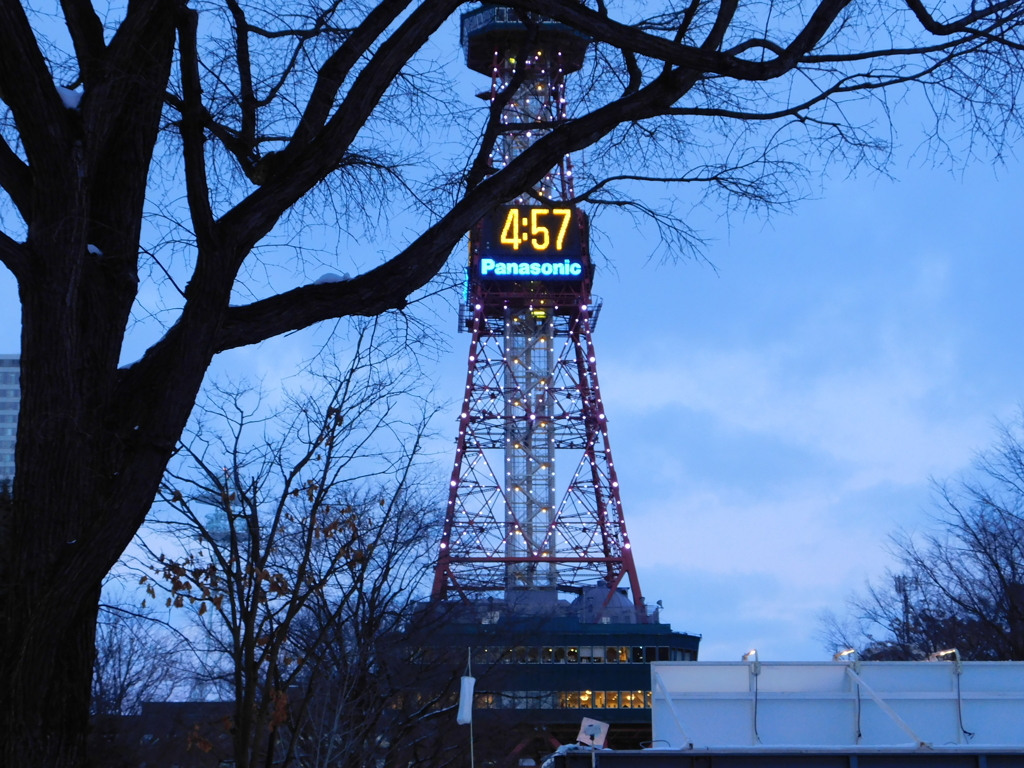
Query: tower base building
(540,672)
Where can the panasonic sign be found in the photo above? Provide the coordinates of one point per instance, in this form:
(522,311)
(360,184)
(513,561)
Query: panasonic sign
(567,269)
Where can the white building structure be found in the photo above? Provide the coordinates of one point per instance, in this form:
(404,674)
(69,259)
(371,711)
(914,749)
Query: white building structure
(843,706)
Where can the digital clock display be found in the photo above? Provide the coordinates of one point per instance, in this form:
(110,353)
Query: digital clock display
(532,243)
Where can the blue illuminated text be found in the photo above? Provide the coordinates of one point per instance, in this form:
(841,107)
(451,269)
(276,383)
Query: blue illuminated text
(542,269)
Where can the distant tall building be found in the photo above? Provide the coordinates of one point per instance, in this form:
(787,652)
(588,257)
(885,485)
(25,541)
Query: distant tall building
(10,402)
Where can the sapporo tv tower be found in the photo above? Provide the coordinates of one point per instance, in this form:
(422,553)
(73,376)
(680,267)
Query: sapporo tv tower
(532,399)
(535,571)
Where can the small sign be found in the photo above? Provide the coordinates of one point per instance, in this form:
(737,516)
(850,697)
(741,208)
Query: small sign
(592,732)
(465,713)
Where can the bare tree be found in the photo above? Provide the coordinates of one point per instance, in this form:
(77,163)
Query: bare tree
(135,662)
(279,533)
(231,123)
(369,701)
(961,585)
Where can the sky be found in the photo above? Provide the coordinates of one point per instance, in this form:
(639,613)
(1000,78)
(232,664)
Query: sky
(777,414)
(776,420)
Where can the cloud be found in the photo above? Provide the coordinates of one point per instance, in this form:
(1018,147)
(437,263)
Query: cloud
(876,419)
(735,613)
(764,462)
(878,389)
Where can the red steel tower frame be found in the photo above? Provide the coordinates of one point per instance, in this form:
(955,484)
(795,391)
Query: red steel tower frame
(532,390)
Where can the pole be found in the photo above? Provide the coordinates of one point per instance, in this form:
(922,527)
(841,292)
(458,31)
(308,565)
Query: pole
(469,668)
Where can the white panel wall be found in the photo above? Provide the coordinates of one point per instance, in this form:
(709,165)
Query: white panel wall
(713,704)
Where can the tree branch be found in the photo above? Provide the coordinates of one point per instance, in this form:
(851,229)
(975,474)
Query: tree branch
(726,12)
(481,166)
(13,256)
(726,63)
(959,25)
(227,136)
(247,96)
(138,65)
(192,135)
(16,179)
(625,37)
(252,218)
(388,286)
(86,32)
(28,89)
(334,71)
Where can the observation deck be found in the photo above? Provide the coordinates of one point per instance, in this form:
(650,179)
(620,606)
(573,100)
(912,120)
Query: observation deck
(494,29)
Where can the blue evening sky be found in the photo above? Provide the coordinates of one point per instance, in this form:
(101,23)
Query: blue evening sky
(774,420)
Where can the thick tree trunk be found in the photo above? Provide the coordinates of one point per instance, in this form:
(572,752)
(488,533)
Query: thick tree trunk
(90,452)
(48,635)
(89,462)
(67,458)
(88,469)
(47,701)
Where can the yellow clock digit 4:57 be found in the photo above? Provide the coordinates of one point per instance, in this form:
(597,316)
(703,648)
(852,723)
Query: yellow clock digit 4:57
(510,229)
(541,235)
(565,214)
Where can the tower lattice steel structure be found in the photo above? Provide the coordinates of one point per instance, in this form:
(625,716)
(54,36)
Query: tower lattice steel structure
(534,506)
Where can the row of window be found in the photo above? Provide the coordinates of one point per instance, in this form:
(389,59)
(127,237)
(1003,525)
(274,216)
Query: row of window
(583,654)
(563,700)
(10,393)
(9,378)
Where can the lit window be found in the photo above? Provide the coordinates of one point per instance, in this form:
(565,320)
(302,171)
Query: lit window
(611,700)
(598,699)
